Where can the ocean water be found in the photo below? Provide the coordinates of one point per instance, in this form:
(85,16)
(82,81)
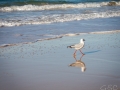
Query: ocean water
(31,20)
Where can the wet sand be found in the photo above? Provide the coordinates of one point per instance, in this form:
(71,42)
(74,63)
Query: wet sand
(44,65)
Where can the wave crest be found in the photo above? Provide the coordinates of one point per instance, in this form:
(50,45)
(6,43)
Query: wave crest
(53,6)
(58,18)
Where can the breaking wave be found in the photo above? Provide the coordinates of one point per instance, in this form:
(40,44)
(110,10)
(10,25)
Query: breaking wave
(44,19)
(54,6)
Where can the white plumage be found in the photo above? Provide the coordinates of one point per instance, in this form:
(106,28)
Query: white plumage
(78,46)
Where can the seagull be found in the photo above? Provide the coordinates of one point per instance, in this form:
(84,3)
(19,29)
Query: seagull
(78,46)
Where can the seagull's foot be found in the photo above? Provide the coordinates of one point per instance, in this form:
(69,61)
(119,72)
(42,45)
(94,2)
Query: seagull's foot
(83,54)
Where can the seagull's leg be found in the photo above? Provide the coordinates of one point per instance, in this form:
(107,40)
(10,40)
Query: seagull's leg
(75,52)
(81,57)
(82,53)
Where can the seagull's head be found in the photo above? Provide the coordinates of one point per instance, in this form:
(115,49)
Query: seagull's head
(82,40)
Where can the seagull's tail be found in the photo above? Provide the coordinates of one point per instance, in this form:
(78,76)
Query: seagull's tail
(69,47)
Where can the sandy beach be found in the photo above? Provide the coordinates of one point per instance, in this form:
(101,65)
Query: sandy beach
(44,65)
(35,34)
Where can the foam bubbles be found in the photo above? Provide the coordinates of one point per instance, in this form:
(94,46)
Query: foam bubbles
(53,6)
(60,36)
(58,18)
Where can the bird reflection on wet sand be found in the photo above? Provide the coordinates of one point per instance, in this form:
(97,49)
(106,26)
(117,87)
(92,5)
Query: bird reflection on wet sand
(79,64)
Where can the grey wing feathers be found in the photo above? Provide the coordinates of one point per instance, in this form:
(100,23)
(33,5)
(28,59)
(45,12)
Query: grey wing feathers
(71,46)
(75,46)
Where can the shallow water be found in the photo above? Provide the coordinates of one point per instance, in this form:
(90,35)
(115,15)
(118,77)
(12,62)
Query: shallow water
(31,22)
(31,33)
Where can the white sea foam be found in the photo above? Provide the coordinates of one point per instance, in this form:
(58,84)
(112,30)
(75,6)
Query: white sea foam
(53,6)
(60,36)
(105,32)
(71,34)
(58,18)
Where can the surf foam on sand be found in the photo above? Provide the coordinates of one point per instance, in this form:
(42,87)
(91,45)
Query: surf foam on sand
(60,36)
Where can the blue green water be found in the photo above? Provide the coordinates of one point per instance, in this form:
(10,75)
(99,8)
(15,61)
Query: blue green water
(41,2)
(31,20)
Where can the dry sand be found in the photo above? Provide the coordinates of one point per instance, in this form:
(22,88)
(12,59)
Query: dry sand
(44,65)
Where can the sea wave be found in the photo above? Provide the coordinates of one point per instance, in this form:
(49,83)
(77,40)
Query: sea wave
(60,36)
(54,6)
(57,18)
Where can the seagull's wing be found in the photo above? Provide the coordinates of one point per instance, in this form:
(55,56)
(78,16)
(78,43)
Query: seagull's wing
(71,46)
(77,45)
(80,45)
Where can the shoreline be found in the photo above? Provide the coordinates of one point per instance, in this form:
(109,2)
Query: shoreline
(61,36)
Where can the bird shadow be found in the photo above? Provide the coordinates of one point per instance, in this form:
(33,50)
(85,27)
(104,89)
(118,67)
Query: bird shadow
(79,63)
(90,52)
